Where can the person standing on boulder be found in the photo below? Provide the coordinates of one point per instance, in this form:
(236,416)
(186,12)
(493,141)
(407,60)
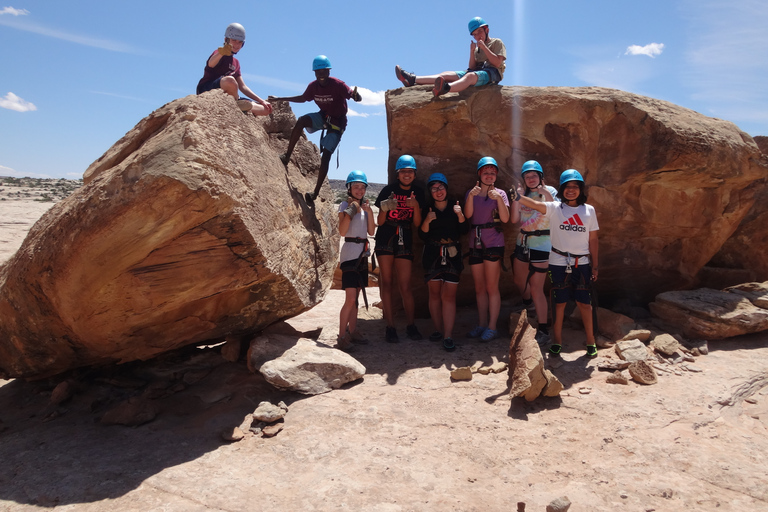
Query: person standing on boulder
(222,71)
(443,224)
(487,207)
(573,259)
(487,60)
(330,95)
(400,207)
(530,261)
(355,224)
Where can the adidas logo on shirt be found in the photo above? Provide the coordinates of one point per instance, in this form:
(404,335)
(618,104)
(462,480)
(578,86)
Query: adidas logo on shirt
(573,224)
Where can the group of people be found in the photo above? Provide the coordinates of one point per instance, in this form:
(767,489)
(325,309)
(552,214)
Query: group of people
(558,237)
(567,252)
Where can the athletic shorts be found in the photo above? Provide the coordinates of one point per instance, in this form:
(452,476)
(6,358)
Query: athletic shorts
(332,137)
(533,255)
(573,286)
(209,86)
(390,246)
(484,77)
(446,276)
(354,275)
(477,256)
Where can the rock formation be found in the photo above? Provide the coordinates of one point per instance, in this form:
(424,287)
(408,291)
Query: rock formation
(670,185)
(188,229)
(527,375)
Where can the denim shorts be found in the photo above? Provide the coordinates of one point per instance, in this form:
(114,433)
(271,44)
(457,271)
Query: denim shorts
(484,76)
(332,137)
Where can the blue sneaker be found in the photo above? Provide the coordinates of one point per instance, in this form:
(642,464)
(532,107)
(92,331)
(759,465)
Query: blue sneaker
(476,332)
(489,335)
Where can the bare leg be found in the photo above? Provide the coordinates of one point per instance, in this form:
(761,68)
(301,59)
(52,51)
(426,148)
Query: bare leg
(558,327)
(449,76)
(536,287)
(386,270)
(464,82)
(435,304)
(492,273)
(298,129)
(229,86)
(403,269)
(449,308)
(586,318)
(348,313)
(481,294)
(325,160)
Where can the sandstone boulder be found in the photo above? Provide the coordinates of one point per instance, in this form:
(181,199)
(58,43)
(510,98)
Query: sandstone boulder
(631,350)
(757,293)
(527,375)
(708,314)
(188,229)
(312,369)
(669,185)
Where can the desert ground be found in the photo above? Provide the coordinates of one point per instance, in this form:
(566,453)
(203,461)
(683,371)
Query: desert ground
(404,438)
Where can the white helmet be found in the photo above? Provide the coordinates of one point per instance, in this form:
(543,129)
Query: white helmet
(235,31)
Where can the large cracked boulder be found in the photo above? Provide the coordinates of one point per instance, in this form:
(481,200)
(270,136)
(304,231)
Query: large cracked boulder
(527,376)
(188,229)
(669,185)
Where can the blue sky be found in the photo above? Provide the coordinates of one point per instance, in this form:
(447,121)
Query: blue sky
(78,75)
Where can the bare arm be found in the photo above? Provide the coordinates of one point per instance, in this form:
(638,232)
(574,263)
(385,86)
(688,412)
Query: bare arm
(493,59)
(248,92)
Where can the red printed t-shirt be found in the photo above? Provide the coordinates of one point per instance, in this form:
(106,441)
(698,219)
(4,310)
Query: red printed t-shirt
(330,98)
(227,66)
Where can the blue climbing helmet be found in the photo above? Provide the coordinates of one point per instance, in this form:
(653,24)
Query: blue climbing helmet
(405,162)
(531,165)
(321,62)
(437,177)
(357,177)
(475,23)
(571,175)
(487,160)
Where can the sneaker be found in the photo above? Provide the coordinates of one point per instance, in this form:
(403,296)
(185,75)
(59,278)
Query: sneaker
(391,335)
(408,79)
(357,337)
(489,334)
(436,336)
(245,106)
(413,332)
(449,345)
(591,351)
(310,198)
(344,342)
(542,338)
(476,332)
(554,350)
(441,86)
(285,159)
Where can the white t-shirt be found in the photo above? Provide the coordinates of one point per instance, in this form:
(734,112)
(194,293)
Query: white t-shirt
(358,228)
(569,230)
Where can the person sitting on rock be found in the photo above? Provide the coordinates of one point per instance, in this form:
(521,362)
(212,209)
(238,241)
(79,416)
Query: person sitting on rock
(573,259)
(222,71)
(443,224)
(330,95)
(400,206)
(355,224)
(488,208)
(487,60)
(530,260)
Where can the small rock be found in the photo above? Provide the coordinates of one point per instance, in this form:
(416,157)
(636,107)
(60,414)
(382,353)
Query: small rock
(666,344)
(233,434)
(484,370)
(750,400)
(632,350)
(623,495)
(617,378)
(272,430)
(688,358)
(133,412)
(268,413)
(643,373)
(612,366)
(499,367)
(692,368)
(637,334)
(585,390)
(230,351)
(463,373)
(561,504)
(62,392)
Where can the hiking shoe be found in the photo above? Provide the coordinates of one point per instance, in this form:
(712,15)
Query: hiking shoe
(554,350)
(344,342)
(441,86)
(408,79)
(391,335)
(436,336)
(542,338)
(245,106)
(357,337)
(476,332)
(449,345)
(285,159)
(310,198)
(591,351)
(489,334)
(413,332)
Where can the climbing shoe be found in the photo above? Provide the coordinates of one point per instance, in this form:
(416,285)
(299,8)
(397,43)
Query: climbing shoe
(310,198)
(408,79)
(476,332)
(554,350)
(391,335)
(245,106)
(413,333)
(449,345)
(285,159)
(441,87)
(436,336)
(591,350)
(489,334)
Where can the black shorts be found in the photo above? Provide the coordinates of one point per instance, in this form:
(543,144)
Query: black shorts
(390,245)
(533,255)
(434,270)
(354,275)
(477,256)
(572,286)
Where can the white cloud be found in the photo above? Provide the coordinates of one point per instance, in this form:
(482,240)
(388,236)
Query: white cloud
(104,44)
(13,12)
(371,148)
(13,102)
(274,82)
(651,50)
(371,98)
(354,113)
(4,169)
